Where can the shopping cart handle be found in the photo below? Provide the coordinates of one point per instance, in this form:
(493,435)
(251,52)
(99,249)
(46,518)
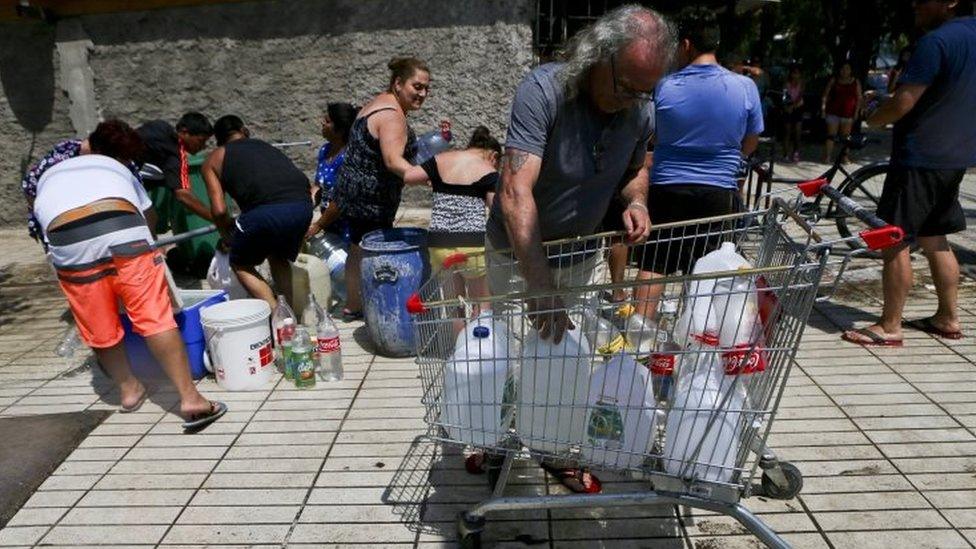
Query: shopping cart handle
(813,186)
(455,259)
(415,305)
(883,237)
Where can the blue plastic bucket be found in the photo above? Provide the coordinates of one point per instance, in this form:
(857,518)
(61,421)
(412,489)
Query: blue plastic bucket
(394,267)
(191,331)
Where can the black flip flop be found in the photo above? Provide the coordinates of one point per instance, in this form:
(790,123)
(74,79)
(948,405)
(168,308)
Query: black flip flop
(875,340)
(197,422)
(926,325)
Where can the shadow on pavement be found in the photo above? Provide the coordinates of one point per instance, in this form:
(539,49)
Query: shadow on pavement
(33,447)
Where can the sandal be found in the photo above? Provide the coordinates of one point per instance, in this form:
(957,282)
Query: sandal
(578,480)
(926,325)
(351,316)
(196,422)
(874,340)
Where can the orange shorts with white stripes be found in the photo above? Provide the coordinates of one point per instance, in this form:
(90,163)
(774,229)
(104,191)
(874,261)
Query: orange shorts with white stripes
(138,282)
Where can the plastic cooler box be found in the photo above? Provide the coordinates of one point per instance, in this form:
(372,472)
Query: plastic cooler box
(188,321)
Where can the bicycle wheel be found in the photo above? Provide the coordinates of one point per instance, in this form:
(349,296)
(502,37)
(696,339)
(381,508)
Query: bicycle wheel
(864,187)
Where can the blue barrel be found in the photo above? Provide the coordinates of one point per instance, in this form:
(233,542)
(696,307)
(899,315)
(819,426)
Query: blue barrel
(395,265)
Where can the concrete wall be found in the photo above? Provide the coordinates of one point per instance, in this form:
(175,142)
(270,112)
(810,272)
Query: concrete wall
(276,63)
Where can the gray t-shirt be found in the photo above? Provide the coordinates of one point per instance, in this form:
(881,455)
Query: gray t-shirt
(585,154)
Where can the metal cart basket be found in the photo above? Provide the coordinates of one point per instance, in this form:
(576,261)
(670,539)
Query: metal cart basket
(675,382)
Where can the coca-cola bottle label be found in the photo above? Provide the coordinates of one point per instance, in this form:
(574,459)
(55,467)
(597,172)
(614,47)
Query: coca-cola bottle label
(662,364)
(327,345)
(744,359)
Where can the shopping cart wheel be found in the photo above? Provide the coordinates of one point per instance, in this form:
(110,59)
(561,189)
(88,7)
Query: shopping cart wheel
(788,487)
(469,530)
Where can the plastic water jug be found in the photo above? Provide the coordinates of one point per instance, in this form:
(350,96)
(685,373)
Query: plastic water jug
(479,384)
(704,394)
(432,143)
(553,390)
(330,248)
(600,333)
(620,415)
(309,276)
(725,307)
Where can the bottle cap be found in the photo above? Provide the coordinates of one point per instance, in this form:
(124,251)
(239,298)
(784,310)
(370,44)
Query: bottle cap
(288,321)
(481,332)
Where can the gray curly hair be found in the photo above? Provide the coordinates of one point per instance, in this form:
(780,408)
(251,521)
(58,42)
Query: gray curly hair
(610,33)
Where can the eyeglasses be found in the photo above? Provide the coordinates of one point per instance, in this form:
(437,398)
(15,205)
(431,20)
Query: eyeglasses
(622,90)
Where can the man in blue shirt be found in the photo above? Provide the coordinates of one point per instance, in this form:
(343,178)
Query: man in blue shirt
(934,142)
(707,119)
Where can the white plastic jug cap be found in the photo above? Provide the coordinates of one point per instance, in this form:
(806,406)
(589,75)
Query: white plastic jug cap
(728,246)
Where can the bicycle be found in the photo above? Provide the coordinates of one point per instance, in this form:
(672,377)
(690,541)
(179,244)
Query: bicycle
(862,185)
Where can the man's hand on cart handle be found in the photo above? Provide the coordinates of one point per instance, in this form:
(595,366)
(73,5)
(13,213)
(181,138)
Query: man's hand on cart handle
(637,222)
(548,316)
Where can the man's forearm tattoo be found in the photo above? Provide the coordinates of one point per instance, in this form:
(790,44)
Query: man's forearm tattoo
(515,159)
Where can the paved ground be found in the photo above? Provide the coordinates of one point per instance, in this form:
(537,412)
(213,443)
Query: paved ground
(885,438)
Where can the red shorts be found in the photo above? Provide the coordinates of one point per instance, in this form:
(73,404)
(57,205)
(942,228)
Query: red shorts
(138,282)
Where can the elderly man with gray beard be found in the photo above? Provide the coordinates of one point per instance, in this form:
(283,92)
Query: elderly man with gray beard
(577,139)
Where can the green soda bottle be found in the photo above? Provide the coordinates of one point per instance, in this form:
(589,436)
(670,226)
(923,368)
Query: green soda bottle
(302,357)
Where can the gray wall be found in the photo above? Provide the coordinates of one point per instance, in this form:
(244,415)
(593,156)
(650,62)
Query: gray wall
(276,63)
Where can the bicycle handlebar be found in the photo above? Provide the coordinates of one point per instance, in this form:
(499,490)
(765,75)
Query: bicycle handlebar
(881,234)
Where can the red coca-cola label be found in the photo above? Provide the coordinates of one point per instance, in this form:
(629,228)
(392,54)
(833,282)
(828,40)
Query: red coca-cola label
(744,359)
(265,355)
(662,364)
(285,332)
(330,345)
(706,338)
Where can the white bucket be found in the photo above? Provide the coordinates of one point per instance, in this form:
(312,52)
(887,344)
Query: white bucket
(239,343)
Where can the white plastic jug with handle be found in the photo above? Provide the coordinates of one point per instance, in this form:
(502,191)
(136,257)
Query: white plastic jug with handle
(704,309)
(553,390)
(703,423)
(620,415)
(309,275)
(477,402)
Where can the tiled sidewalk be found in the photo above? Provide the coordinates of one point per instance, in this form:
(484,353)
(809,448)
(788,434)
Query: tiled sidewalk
(886,440)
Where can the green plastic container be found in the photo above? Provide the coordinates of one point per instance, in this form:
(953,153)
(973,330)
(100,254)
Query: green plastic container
(162,199)
(193,256)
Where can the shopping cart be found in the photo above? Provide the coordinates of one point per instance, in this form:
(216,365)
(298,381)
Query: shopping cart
(678,385)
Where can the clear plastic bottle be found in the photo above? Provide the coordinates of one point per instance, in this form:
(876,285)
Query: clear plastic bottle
(303,359)
(287,335)
(70,342)
(598,330)
(311,317)
(282,313)
(328,350)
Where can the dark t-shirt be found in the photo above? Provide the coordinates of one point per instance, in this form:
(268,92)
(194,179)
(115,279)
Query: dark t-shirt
(163,151)
(585,154)
(256,173)
(939,133)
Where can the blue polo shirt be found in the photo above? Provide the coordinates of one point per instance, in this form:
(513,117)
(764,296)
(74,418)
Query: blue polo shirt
(939,133)
(703,112)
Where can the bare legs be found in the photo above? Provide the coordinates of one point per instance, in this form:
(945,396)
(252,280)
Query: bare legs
(168,349)
(354,297)
(897,280)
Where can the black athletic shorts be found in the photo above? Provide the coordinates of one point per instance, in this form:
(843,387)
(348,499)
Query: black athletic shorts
(614,220)
(922,202)
(676,249)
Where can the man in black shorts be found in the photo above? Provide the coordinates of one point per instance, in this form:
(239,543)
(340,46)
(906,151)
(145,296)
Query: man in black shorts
(934,142)
(707,119)
(275,201)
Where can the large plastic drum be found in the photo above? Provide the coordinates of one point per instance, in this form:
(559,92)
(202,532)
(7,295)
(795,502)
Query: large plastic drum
(239,343)
(394,267)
